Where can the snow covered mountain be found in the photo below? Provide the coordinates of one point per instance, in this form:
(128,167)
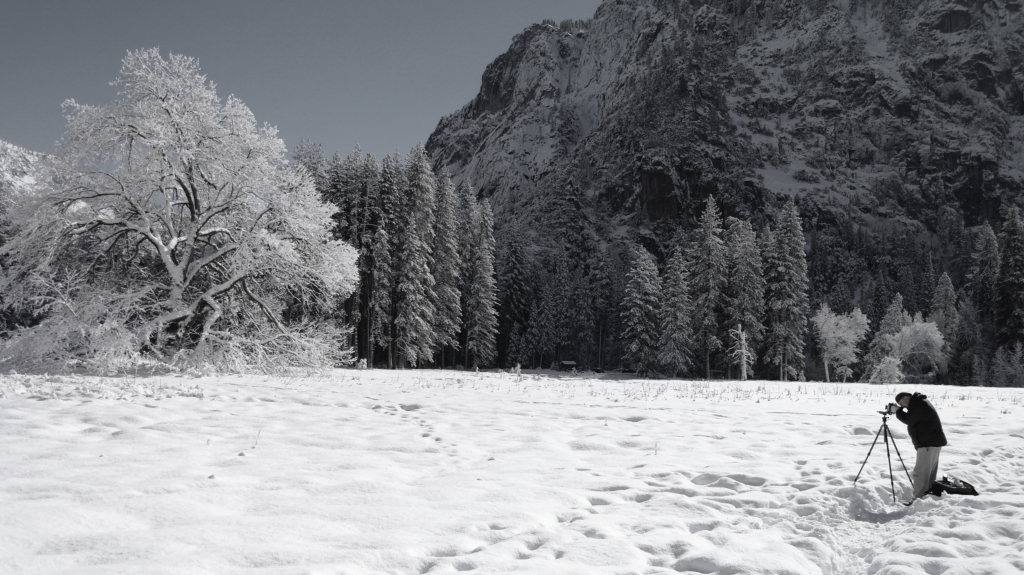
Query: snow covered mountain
(17,168)
(906,114)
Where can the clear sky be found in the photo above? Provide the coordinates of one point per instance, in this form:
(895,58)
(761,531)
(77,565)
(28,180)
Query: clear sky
(379,73)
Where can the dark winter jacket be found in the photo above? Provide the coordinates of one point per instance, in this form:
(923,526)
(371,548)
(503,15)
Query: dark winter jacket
(923,423)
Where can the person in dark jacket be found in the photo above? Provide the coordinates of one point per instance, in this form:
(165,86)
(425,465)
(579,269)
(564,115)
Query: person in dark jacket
(926,434)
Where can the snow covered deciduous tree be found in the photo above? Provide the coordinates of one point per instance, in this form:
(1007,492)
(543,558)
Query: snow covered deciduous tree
(707,265)
(881,345)
(919,347)
(744,290)
(786,294)
(174,231)
(415,312)
(838,336)
(1009,299)
(676,322)
(482,306)
(641,308)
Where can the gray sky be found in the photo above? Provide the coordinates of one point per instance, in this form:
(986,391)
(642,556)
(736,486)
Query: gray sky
(379,73)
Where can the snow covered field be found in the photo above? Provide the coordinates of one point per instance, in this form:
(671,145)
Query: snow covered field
(444,471)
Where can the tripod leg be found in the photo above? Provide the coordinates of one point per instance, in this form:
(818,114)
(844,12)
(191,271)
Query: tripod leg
(901,461)
(892,482)
(869,454)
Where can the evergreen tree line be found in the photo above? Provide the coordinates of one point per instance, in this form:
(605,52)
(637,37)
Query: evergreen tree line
(728,298)
(427,294)
(726,301)
(851,266)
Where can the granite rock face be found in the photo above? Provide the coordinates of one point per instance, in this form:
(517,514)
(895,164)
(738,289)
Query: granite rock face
(875,114)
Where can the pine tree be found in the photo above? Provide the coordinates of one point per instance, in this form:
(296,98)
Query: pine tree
(601,291)
(469,226)
(482,332)
(567,220)
(558,306)
(641,309)
(447,267)
(415,317)
(984,273)
(368,219)
(581,317)
(676,321)
(943,309)
(391,194)
(928,282)
(786,294)
(380,297)
(707,265)
(744,287)
(517,288)
(344,176)
(534,342)
(1009,304)
(515,297)
(311,157)
(895,319)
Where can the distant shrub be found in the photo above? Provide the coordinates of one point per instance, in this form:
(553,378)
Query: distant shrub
(809,177)
(1008,366)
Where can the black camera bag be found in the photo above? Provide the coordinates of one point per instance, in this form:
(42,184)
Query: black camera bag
(953,487)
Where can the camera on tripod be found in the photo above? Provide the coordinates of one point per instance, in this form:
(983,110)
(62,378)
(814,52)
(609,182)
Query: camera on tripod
(884,432)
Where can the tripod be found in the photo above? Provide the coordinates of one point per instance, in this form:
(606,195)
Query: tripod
(888,456)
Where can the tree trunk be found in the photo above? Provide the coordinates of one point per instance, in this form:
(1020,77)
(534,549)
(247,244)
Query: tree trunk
(707,364)
(826,371)
(743,353)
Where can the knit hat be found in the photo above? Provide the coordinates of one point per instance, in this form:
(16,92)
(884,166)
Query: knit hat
(901,395)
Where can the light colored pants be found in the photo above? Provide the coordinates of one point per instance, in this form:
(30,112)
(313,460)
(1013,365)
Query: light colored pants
(926,468)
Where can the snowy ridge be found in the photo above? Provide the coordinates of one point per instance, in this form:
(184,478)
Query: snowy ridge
(443,471)
(880,113)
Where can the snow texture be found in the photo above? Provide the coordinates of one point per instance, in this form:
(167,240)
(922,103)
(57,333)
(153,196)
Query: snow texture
(443,471)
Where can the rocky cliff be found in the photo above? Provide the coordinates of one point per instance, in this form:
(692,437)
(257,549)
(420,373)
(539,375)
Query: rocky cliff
(883,115)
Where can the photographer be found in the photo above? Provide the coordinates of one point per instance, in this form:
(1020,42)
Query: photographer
(925,431)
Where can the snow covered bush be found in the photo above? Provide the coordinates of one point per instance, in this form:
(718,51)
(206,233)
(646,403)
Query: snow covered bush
(887,371)
(172,231)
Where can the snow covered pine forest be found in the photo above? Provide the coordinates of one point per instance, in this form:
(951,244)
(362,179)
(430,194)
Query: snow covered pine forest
(220,357)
